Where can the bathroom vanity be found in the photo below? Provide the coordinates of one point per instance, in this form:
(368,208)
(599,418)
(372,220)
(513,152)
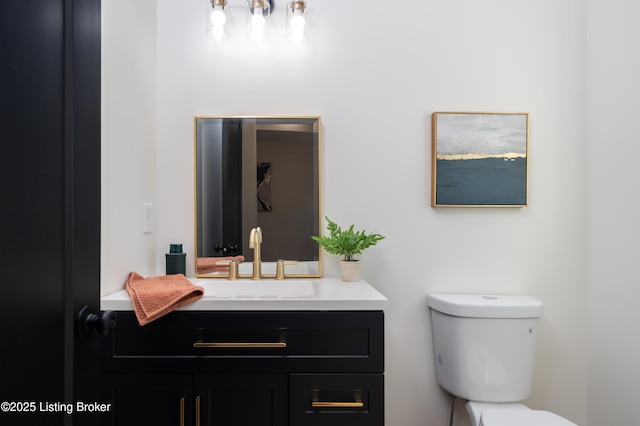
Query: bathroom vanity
(294,353)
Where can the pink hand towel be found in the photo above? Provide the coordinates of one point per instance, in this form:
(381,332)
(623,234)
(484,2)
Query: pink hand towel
(157,296)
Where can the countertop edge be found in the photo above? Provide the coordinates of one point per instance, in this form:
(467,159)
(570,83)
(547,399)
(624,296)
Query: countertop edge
(331,295)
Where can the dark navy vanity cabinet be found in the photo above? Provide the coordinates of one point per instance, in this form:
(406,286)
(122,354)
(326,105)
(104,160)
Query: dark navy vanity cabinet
(246,368)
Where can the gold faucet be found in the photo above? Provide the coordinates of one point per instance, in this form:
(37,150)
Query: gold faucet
(255,239)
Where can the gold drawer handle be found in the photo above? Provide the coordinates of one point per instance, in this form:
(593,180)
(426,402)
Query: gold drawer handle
(239,345)
(198,410)
(319,404)
(182,411)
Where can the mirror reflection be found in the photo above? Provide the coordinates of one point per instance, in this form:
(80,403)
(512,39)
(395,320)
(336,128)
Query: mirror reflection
(257,172)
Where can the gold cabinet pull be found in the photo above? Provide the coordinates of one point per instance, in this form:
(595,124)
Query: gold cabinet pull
(182,411)
(322,404)
(198,410)
(239,345)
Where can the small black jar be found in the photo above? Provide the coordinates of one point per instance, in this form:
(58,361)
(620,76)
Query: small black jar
(176,260)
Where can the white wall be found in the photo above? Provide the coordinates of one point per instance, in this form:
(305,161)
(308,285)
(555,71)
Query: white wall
(375,88)
(128,139)
(612,209)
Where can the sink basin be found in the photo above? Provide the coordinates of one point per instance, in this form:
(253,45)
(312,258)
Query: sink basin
(264,289)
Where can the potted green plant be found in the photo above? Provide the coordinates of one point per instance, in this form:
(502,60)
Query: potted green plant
(347,243)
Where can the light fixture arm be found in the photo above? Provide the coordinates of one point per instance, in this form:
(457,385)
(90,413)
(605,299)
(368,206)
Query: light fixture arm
(298,5)
(262,4)
(221,3)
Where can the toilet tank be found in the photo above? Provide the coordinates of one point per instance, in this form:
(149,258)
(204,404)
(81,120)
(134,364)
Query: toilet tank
(484,345)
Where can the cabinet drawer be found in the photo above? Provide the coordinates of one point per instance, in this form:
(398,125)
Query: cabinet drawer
(336,399)
(253,341)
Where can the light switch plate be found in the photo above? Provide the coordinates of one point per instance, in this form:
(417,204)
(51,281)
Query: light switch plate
(147,218)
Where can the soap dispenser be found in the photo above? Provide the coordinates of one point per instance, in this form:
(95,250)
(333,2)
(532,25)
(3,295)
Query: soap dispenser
(176,260)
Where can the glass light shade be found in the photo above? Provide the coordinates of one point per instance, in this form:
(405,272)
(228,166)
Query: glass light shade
(297,15)
(218,18)
(217,22)
(257,20)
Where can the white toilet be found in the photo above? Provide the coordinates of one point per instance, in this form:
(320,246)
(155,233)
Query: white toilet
(484,353)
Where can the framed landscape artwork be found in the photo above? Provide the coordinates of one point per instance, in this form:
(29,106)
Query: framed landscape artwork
(479,159)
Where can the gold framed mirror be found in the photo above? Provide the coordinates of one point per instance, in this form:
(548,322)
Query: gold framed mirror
(257,172)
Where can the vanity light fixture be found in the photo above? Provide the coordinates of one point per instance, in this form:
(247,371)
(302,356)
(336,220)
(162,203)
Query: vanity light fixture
(296,21)
(218,21)
(257,20)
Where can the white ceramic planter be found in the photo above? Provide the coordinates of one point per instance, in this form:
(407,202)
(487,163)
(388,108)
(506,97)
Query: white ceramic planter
(350,270)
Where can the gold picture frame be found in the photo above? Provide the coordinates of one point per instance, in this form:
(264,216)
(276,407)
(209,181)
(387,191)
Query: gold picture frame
(480,159)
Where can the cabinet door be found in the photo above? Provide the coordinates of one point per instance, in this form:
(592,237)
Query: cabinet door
(241,400)
(149,399)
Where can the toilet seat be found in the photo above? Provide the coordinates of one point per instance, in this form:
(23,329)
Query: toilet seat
(522,418)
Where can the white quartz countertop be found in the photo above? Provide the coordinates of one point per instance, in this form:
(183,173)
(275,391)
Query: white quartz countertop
(315,294)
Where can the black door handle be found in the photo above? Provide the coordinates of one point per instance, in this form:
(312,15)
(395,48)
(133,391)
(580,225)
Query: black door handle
(88,320)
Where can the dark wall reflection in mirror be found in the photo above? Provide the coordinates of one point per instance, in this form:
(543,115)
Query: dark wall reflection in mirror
(257,171)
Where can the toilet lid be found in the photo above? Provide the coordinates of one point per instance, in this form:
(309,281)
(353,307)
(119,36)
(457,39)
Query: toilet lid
(522,418)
